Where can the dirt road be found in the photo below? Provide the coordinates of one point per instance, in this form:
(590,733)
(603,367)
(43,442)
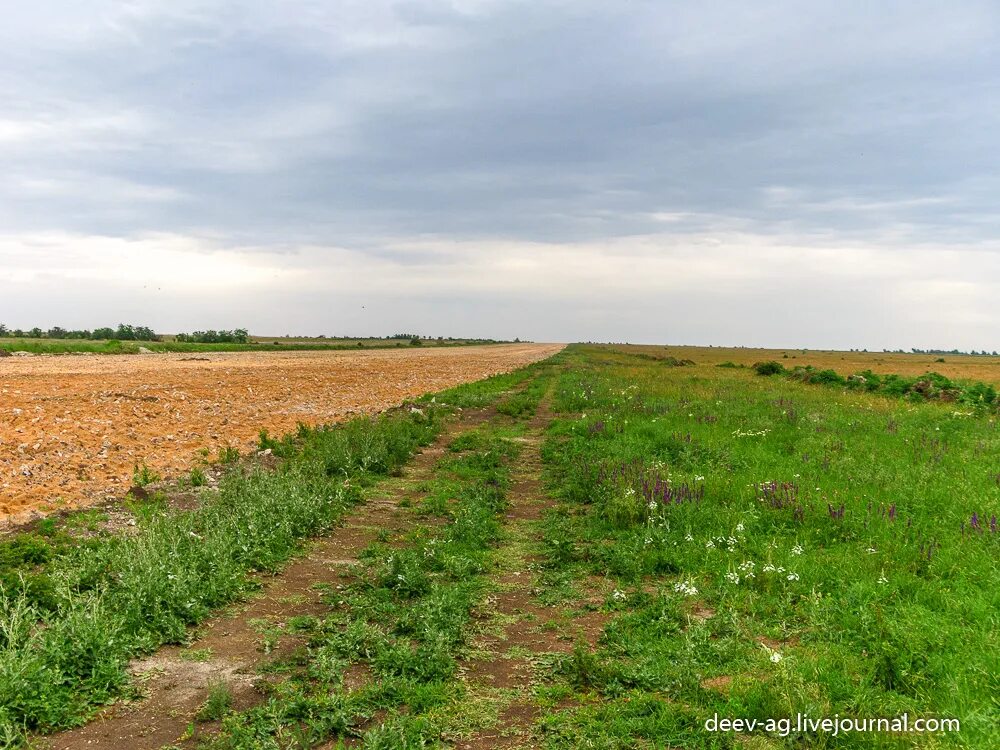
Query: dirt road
(73,427)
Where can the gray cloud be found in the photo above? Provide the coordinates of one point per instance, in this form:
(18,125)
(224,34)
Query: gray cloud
(523,141)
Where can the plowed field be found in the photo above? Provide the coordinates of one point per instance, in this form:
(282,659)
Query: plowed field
(72,428)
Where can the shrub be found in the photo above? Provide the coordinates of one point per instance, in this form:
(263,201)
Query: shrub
(769,368)
(826,377)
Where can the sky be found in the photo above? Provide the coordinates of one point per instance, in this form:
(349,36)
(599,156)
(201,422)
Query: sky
(821,174)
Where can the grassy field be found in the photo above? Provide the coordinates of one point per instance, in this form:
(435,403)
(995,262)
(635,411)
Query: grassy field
(621,550)
(960,366)
(256,344)
(779,549)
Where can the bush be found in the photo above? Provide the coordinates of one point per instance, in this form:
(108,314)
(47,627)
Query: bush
(826,377)
(769,368)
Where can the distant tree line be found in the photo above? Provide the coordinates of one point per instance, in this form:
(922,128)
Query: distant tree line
(983,353)
(237,336)
(123,332)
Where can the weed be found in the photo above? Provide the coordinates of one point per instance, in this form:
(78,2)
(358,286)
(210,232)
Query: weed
(198,477)
(142,475)
(218,703)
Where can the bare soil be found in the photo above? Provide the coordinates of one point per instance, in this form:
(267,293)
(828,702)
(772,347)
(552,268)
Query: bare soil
(72,428)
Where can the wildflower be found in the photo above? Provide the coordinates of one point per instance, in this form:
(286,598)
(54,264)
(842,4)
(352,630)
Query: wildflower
(618,596)
(871,551)
(652,505)
(709,544)
(733,577)
(793,576)
(699,479)
(649,540)
(688,537)
(685,587)
(882,579)
(797,549)
(739,527)
(775,657)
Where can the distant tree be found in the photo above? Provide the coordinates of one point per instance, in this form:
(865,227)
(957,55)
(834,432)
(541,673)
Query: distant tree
(35,333)
(3,330)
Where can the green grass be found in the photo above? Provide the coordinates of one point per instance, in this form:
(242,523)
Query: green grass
(712,500)
(403,621)
(218,703)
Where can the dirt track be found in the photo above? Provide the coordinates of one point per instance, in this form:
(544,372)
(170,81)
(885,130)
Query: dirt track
(73,427)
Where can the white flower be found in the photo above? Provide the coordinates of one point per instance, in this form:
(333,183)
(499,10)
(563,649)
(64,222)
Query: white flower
(699,479)
(649,540)
(733,577)
(688,537)
(882,579)
(652,505)
(775,657)
(618,596)
(797,549)
(739,527)
(709,544)
(793,576)
(731,541)
(871,551)
(685,587)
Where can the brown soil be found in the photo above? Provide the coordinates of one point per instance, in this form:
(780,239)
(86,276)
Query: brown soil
(73,427)
(234,645)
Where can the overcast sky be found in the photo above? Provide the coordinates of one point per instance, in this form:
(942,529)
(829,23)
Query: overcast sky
(820,174)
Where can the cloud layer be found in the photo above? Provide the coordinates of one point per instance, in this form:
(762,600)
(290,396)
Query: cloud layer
(766,173)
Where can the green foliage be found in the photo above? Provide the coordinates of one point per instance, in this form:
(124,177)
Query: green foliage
(198,477)
(218,703)
(237,336)
(769,368)
(142,475)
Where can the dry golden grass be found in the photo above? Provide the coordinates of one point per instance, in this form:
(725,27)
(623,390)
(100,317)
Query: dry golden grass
(958,367)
